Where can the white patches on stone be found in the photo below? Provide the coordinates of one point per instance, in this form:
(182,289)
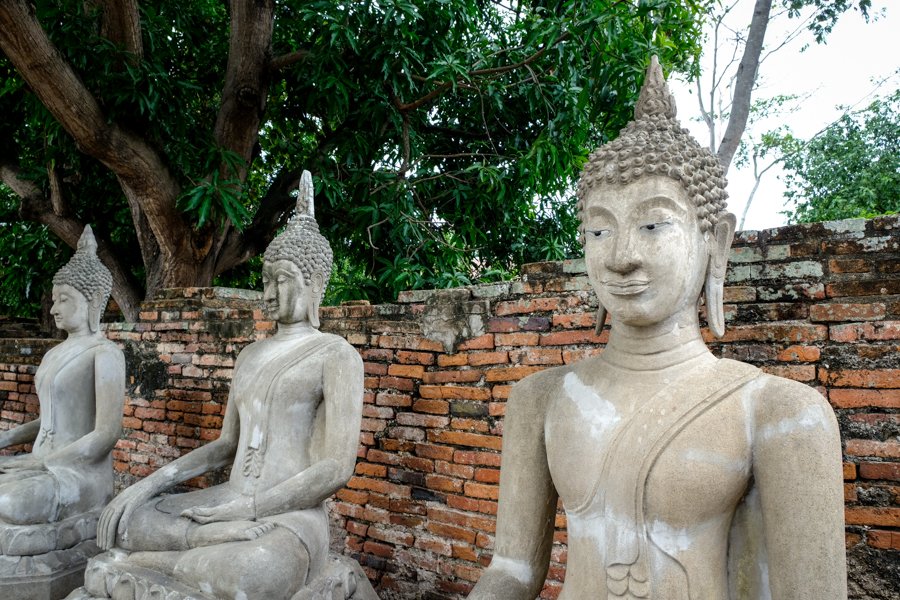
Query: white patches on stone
(206,587)
(256,437)
(811,417)
(749,393)
(597,412)
(597,528)
(716,459)
(765,589)
(517,569)
(846,226)
(241,595)
(671,539)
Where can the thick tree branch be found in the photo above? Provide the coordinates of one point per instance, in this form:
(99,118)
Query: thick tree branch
(744,82)
(444,86)
(273,211)
(286,60)
(246,77)
(141,172)
(243,97)
(121,24)
(35,206)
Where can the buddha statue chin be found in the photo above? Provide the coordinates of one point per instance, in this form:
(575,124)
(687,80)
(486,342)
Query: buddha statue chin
(290,434)
(682,476)
(50,498)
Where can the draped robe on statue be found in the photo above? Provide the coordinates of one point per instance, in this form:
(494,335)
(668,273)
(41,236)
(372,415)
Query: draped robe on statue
(616,536)
(279,402)
(64,380)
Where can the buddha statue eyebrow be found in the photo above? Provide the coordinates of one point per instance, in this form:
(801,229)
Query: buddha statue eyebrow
(662,202)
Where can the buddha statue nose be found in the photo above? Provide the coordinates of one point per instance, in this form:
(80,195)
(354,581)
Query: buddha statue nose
(624,257)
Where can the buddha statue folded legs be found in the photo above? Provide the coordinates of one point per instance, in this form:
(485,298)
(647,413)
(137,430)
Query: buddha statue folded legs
(51,498)
(290,434)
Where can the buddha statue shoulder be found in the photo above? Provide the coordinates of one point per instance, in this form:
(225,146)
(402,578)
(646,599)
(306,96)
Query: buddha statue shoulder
(682,476)
(290,435)
(50,498)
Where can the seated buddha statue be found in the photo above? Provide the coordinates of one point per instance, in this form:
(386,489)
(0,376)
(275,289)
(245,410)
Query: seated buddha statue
(682,476)
(51,497)
(290,435)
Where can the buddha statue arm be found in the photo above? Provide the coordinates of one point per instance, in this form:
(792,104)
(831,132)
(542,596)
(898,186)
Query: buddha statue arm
(217,453)
(797,469)
(527,508)
(23,434)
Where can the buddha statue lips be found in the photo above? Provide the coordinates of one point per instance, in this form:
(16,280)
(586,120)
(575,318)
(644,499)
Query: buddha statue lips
(290,435)
(630,287)
(656,506)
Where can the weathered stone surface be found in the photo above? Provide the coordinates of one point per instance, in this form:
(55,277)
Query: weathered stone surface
(655,506)
(290,433)
(48,576)
(50,498)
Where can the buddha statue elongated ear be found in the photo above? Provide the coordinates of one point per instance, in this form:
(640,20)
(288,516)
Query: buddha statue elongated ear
(714,289)
(601,318)
(316,290)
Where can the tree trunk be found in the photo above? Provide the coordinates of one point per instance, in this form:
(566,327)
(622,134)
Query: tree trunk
(744,82)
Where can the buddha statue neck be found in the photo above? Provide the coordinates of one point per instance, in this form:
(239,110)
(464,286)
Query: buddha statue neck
(671,343)
(295,330)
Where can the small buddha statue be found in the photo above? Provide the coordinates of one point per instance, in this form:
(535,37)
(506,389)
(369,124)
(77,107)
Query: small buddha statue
(290,435)
(682,476)
(51,497)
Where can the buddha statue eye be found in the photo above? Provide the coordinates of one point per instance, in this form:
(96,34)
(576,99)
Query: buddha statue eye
(655,226)
(599,233)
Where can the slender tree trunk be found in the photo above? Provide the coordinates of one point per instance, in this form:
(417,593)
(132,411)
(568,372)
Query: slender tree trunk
(744,82)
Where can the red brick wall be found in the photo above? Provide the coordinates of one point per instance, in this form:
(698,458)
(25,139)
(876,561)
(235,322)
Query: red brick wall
(817,303)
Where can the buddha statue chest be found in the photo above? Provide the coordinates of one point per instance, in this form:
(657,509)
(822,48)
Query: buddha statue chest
(277,388)
(65,386)
(656,477)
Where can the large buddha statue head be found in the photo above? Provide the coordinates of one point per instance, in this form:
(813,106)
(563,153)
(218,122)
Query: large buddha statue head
(81,288)
(297,264)
(653,221)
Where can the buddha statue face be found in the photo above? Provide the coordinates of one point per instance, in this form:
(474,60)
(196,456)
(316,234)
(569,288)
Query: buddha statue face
(70,310)
(653,218)
(646,255)
(289,298)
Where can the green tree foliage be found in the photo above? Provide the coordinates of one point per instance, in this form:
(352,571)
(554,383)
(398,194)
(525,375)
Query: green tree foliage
(851,169)
(443,136)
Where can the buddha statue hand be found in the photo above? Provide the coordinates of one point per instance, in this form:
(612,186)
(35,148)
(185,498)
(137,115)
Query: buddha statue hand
(22,462)
(118,512)
(239,509)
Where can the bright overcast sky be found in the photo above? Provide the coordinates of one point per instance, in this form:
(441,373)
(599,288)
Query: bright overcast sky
(836,73)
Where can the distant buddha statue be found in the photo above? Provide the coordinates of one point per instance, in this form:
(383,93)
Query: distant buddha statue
(50,498)
(290,435)
(682,476)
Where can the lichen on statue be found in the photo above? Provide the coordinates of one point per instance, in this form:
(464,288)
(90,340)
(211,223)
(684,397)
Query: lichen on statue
(67,477)
(290,435)
(656,506)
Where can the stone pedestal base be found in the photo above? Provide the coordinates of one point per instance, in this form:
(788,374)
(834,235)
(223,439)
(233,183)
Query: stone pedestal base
(342,578)
(106,577)
(47,576)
